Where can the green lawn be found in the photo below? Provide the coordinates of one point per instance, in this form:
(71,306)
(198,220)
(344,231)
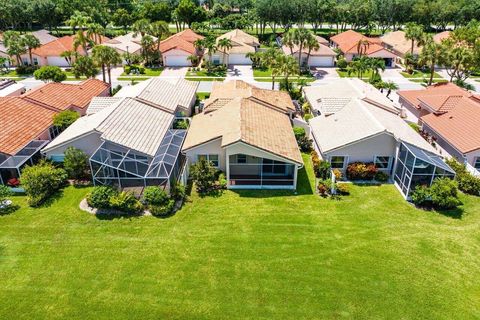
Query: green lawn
(265,75)
(133,78)
(344,74)
(202,95)
(262,72)
(420,74)
(149,72)
(244,255)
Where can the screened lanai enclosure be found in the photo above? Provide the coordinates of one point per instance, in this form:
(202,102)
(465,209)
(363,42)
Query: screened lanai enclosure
(416,167)
(246,171)
(122,167)
(11,167)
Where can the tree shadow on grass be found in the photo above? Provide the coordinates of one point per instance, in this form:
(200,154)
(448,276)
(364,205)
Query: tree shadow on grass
(456,213)
(51,200)
(113,215)
(10,209)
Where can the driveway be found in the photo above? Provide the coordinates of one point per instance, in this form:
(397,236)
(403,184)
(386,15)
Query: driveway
(240,72)
(174,72)
(393,75)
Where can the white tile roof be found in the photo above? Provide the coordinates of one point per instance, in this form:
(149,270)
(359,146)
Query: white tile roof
(128,40)
(169,95)
(136,125)
(99,103)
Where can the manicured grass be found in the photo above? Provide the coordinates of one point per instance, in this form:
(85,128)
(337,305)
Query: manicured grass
(262,72)
(426,80)
(244,255)
(12,74)
(149,72)
(205,73)
(204,78)
(344,74)
(292,79)
(420,74)
(265,75)
(133,78)
(202,95)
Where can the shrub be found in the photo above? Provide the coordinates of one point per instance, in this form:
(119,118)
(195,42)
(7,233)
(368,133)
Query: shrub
(324,187)
(116,89)
(466,181)
(222,181)
(50,73)
(307,117)
(75,163)
(180,124)
(414,126)
(125,201)
(342,63)
(444,193)
(178,191)
(306,108)
(64,119)
(26,70)
(421,196)
(204,176)
(299,132)
(361,171)
(321,168)
(100,197)
(163,210)
(127,69)
(41,181)
(381,176)
(342,189)
(305,144)
(4,193)
(338,174)
(155,196)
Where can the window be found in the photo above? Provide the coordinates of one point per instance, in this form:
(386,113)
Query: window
(35,61)
(241,158)
(382,162)
(476,164)
(337,162)
(216,60)
(213,158)
(272,167)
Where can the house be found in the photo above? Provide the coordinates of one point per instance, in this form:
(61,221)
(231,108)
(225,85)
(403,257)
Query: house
(434,98)
(27,121)
(242,44)
(439,37)
(10,88)
(248,136)
(324,56)
(362,129)
(177,48)
(348,43)
(131,141)
(127,43)
(50,53)
(398,44)
(43,36)
(3,52)
(451,116)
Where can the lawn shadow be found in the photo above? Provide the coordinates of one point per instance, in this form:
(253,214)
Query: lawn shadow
(456,213)
(52,199)
(112,215)
(10,209)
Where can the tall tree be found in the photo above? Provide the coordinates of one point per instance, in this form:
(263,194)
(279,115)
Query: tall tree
(14,44)
(430,55)
(224,44)
(106,57)
(413,32)
(31,42)
(159,29)
(84,66)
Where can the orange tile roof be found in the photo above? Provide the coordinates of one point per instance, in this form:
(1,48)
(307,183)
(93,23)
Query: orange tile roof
(459,126)
(437,91)
(347,42)
(62,96)
(21,121)
(183,41)
(59,45)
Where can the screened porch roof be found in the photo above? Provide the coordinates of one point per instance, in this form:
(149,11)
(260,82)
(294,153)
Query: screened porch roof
(428,157)
(22,156)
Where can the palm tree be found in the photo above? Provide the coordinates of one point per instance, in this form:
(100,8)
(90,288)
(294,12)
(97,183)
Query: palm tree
(210,46)
(78,19)
(159,29)
(224,44)
(147,44)
(69,56)
(255,57)
(31,42)
(285,67)
(362,46)
(193,59)
(359,66)
(300,38)
(376,65)
(431,53)
(270,59)
(95,32)
(289,39)
(82,40)
(14,44)
(390,86)
(106,57)
(312,45)
(141,27)
(413,32)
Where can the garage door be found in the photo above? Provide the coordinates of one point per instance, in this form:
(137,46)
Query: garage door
(321,62)
(57,61)
(238,59)
(177,61)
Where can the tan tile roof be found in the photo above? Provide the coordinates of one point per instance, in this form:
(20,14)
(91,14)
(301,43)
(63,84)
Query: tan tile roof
(229,90)
(399,43)
(441,36)
(242,42)
(62,96)
(182,41)
(438,91)
(459,126)
(21,121)
(244,120)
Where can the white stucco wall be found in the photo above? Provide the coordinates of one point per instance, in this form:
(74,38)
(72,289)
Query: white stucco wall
(88,144)
(212,147)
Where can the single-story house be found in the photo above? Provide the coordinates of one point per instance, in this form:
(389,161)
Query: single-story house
(347,42)
(323,57)
(131,141)
(251,140)
(177,48)
(365,130)
(10,88)
(27,122)
(43,36)
(49,54)
(397,43)
(127,43)
(439,37)
(242,44)
(451,115)
(3,52)
(435,98)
